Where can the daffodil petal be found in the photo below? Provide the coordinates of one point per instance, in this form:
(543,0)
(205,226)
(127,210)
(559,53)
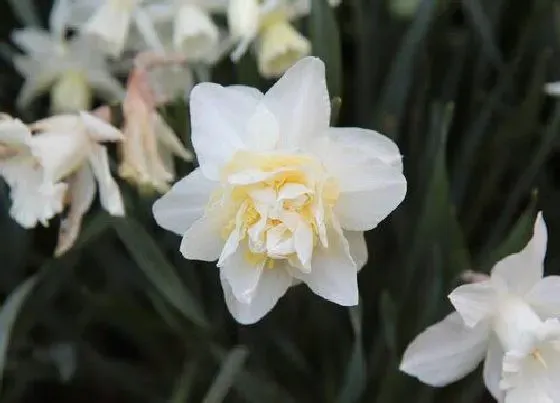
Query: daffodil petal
(242,275)
(358,247)
(109,193)
(522,270)
(202,241)
(544,297)
(272,285)
(300,101)
(493,368)
(475,302)
(179,208)
(445,352)
(219,119)
(333,275)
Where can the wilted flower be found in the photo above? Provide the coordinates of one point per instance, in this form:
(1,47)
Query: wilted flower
(149,144)
(68,148)
(280,197)
(500,318)
(71,70)
(278,44)
(33,198)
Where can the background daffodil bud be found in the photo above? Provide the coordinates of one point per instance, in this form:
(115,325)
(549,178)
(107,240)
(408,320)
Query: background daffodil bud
(279,47)
(243,18)
(194,33)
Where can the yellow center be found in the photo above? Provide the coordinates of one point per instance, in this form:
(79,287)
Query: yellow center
(275,172)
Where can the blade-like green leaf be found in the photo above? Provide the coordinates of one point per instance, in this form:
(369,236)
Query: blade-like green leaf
(325,40)
(26,12)
(149,258)
(8,316)
(354,380)
(231,366)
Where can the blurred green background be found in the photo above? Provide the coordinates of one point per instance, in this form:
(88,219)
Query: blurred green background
(124,318)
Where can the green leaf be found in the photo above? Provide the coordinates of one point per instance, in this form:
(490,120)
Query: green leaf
(397,87)
(231,367)
(149,258)
(325,40)
(8,316)
(26,12)
(355,376)
(518,237)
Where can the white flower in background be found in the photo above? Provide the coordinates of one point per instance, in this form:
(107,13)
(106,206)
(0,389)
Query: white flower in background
(72,71)
(109,22)
(280,197)
(500,319)
(278,44)
(33,199)
(149,144)
(68,148)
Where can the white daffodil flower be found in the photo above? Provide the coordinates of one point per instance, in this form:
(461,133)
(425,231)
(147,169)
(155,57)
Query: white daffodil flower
(33,199)
(72,71)
(278,44)
(280,197)
(500,319)
(68,148)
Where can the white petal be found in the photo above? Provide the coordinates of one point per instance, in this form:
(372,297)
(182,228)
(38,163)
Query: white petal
(82,189)
(493,368)
(358,247)
(383,189)
(303,242)
(109,193)
(553,88)
(110,24)
(272,285)
(195,34)
(33,40)
(179,208)
(445,352)
(333,274)
(14,133)
(249,91)
(203,241)
(544,297)
(219,118)
(368,170)
(99,130)
(262,130)
(33,199)
(475,302)
(60,153)
(82,192)
(107,86)
(242,275)
(367,143)
(522,270)
(300,101)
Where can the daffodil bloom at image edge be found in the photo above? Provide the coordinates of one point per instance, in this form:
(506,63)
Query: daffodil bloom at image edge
(509,321)
(280,197)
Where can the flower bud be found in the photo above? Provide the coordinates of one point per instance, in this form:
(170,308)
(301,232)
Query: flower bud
(195,34)
(110,25)
(243,18)
(280,46)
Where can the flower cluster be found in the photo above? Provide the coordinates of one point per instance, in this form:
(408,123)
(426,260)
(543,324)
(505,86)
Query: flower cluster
(509,320)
